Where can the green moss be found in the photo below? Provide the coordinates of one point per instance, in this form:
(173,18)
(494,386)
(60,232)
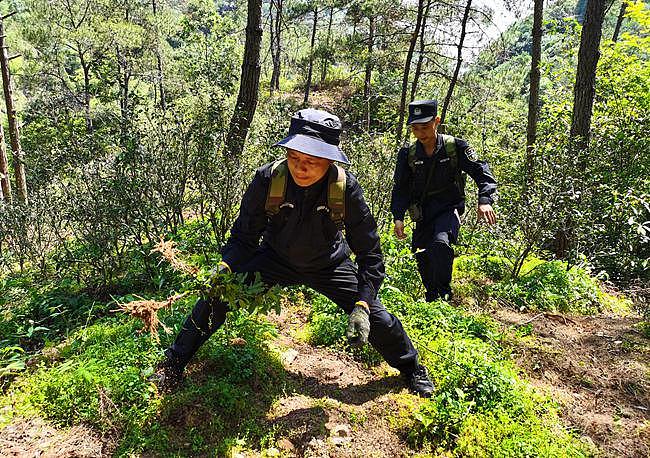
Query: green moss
(495,433)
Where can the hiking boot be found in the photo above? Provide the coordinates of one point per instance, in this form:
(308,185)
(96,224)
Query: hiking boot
(419,383)
(167,377)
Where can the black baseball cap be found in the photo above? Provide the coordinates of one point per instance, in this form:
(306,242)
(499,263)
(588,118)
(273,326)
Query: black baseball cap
(317,133)
(421,111)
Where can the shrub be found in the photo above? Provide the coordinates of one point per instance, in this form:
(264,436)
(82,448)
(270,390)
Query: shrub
(543,285)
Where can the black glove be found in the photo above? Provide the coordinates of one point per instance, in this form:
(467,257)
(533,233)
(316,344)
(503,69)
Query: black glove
(358,325)
(215,280)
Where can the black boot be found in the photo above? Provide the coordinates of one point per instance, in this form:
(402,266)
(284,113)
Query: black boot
(431,296)
(419,383)
(168,376)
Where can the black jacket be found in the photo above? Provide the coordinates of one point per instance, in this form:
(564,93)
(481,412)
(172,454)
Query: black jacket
(403,195)
(304,236)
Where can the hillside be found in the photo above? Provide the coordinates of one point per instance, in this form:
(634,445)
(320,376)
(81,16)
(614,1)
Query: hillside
(144,131)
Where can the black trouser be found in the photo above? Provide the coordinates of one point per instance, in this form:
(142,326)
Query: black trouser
(436,260)
(339,283)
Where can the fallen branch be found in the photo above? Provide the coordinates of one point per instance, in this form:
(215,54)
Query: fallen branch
(539,315)
(555,316)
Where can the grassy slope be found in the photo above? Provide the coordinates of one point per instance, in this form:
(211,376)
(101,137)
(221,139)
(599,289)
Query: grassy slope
(95,371)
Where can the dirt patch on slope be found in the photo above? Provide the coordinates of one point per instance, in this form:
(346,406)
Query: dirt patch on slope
(35,438)
(598,368)
(339,406)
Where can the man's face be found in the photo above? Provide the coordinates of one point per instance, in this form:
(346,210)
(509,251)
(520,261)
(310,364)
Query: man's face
(305,169)
(425,131)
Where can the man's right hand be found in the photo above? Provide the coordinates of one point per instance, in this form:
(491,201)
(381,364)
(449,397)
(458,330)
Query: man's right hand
(216,277)
(399,229)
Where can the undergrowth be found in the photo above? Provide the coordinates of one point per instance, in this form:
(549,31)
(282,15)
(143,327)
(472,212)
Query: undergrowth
(65,356)
(98,376)
(542,285)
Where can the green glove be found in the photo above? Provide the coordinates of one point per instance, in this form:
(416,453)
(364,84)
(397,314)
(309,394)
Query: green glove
(358,325)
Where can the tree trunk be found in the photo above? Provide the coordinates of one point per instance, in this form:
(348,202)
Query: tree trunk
(123,80)
(159,63)
(325,62)
(276,48)
(249,81)
(533,99)
(459,61)
(272,48)
(588,56)
(619,21)
(584,92)
(371,40)
(369,64)
(85,67)
(418,67)
(5,182)
(311,56)
(407,68)
(14,134)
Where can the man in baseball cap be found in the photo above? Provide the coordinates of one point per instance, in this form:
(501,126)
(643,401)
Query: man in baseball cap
(429,182)
(299,207)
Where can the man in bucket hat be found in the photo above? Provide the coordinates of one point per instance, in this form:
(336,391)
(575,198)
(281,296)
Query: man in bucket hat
(299,207)
(429,182)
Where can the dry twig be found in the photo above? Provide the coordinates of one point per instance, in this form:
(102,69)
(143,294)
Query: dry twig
(167,249)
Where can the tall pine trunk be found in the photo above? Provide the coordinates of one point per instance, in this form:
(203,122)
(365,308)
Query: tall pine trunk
(533,98)
(14,132)
(371,42)
(418,67)
(325,62)
(459,61)
(85,67)
(584,93)
(5,182)
(159,62)
(311,56)
(619,21)
(585,85)
(275,28)
(369,64)
(407,69)
(249,82)
(124,82)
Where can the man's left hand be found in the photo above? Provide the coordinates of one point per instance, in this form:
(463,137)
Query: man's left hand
(486,213)
(359,325)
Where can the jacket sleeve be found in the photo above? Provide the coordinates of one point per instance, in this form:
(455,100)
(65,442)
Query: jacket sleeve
(401,195)
(479,171)
(361,235)
(247,230)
